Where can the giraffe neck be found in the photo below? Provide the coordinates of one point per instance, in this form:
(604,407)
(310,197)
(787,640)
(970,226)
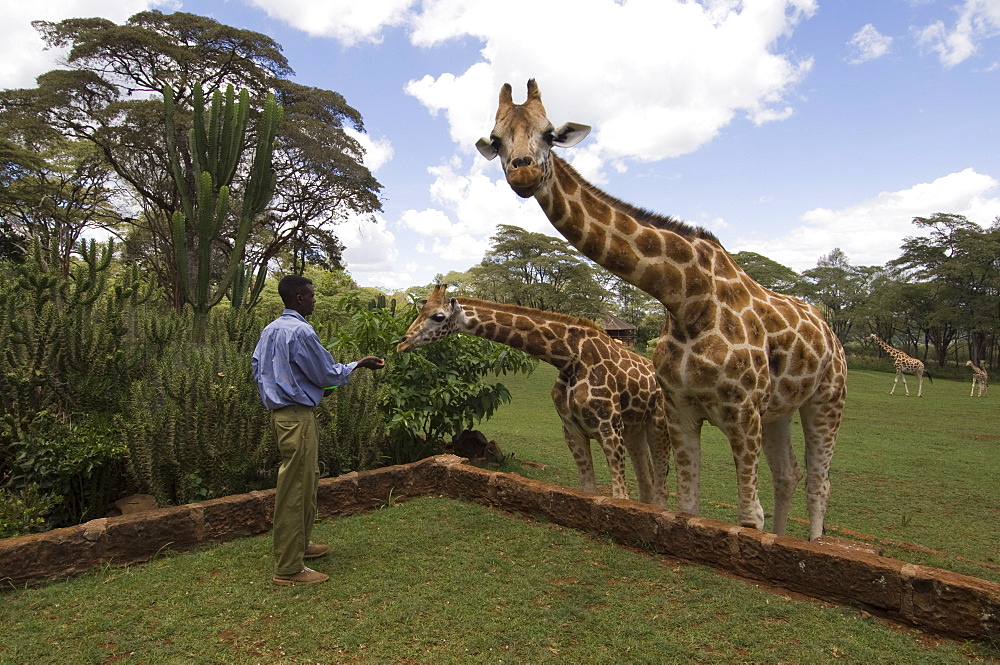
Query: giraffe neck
(543,335)
(892,351)
(672,261)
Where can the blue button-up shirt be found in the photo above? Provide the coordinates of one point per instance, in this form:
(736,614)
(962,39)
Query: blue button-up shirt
(291,366)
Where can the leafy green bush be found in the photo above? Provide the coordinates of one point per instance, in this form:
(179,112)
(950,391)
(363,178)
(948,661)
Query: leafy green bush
(25,511)
(76,465)
(434,392)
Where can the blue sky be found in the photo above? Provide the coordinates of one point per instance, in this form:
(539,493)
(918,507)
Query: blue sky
(787,127)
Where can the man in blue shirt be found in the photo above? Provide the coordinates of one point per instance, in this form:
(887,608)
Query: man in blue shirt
(294,371)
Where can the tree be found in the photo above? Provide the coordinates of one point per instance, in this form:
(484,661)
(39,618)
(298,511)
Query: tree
(957,269)
(839,288)
(537,270)
(770,274)
(67,190)
(110,97)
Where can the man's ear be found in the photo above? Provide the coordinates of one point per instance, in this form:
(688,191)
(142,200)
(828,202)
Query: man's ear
(570,134)
(485,148)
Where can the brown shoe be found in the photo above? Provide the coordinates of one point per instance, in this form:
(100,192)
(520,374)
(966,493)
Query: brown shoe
(314,551)
(304,576)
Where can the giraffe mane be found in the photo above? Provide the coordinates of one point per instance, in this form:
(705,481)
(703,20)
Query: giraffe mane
(531,313)
(641,215)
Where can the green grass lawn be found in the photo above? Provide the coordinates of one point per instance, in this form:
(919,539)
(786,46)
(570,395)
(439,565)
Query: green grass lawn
(922,473)
(439,581)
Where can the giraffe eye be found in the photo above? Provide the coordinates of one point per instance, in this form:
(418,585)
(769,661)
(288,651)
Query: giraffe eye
(437,318)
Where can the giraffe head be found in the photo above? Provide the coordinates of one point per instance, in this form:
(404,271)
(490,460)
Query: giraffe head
(436,320)
(523,137)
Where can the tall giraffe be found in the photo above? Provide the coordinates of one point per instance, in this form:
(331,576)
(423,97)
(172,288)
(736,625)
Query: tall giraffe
(980,378)
(731,353)
(904,364)
(604,391)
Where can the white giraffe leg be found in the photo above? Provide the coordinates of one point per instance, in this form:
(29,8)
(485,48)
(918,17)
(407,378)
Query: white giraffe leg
(920,384)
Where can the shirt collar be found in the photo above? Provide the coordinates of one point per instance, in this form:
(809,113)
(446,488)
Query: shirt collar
(293,313)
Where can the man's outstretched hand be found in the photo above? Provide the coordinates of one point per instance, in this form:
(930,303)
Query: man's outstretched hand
(371,362)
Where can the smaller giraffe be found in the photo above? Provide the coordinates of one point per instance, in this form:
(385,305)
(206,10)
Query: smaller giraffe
(980,378)
(904,364)
(604,391)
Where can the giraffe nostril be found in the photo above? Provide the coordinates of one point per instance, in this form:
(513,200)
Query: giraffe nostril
(522,161)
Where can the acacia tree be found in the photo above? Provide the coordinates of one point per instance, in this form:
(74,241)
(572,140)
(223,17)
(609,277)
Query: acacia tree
(839,288)
(67,190)
(957,269)
(769,273)
(109,96)
(537,270)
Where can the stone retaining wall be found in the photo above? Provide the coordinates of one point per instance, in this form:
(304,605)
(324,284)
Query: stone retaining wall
(927,598)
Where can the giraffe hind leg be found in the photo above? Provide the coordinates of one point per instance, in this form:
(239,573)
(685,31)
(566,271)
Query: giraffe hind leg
(579,446)
(638,451)
(785,472)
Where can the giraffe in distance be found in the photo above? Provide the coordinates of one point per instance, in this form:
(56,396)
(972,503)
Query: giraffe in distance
(980,378)
(903,364)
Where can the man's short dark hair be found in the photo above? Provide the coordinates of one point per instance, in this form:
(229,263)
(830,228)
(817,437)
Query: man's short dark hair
(291,286)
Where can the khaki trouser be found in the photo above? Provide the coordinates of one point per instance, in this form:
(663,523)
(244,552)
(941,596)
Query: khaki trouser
(295,431)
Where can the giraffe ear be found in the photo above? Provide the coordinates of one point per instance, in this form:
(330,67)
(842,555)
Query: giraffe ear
(485,147)
(570,134)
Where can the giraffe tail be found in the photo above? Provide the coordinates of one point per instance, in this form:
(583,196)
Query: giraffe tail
(928,375)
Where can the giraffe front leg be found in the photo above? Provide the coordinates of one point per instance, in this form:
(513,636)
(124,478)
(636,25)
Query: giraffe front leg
(745,441)
(686,445)
(820,426)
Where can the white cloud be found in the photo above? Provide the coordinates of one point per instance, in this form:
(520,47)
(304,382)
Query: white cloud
(378,152)
(349,21)
(871,232)
(24,54)
(868,44)
(657,79)
(978,20)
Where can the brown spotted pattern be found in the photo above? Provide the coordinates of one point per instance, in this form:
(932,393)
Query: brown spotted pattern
(980,378)
(904,364)
(732,353)
(604,391)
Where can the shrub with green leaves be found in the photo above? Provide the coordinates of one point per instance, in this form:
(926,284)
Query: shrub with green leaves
(25,511)
(433,393)
(77,465)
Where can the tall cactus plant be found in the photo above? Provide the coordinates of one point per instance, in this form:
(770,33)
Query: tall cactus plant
(215,145)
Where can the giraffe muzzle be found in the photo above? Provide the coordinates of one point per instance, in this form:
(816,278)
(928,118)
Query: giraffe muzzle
(524,180)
